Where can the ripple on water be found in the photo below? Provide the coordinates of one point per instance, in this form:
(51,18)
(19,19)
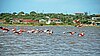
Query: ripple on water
(58,44)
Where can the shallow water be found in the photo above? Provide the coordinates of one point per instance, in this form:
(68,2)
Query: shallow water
(57,44)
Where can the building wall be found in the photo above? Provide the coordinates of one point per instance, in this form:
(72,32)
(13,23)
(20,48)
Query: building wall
(95,18)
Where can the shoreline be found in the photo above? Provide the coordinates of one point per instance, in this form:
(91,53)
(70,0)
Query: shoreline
(84,25)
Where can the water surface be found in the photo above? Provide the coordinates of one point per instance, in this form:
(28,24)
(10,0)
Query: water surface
(57,44)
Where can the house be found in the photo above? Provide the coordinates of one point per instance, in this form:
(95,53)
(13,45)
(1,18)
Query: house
(16,20)
(42,21)
(2,21)
(30,21)
(79,13)
(95,18)
(54,20)
(19,20)
(97,23)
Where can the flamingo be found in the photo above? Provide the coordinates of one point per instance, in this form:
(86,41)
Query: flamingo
(76,21)
(72,33)
(4,29)
(49,31)
(81,34)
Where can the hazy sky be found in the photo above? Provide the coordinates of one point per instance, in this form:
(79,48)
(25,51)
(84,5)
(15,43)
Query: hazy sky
(50,6)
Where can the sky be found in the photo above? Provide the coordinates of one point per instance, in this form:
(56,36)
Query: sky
(50,6)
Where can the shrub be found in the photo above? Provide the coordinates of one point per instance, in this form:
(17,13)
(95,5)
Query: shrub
(53,23)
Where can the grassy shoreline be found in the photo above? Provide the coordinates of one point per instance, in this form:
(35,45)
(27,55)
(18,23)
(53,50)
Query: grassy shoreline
(31,25)
(43,25)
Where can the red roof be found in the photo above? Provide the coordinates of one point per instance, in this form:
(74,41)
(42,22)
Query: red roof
(54,19)
(2,20)
(29,20)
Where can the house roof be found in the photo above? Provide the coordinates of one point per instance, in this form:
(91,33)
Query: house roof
(2,20)
(55,19)
(29,20)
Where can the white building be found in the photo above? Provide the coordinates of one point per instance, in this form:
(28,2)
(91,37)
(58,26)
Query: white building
(95,18)
(55,20)
(42,20)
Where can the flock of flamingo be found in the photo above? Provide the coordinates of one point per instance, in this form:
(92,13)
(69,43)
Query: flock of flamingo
(47,31)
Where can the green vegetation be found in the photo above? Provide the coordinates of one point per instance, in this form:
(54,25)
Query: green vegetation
(67,19)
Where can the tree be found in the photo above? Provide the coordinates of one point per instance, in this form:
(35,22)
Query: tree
(21,13)
(32,13)
(7,20)
(14,13)
(5,15)
(86,13)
